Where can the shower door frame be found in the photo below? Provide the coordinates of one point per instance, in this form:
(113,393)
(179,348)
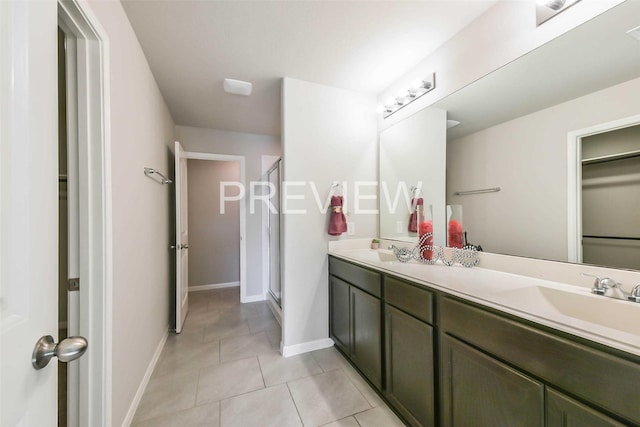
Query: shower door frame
(277,167)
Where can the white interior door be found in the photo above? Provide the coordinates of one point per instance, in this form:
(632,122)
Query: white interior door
(182,238)
(29,211)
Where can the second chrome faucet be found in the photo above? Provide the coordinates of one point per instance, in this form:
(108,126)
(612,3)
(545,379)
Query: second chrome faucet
(610,288)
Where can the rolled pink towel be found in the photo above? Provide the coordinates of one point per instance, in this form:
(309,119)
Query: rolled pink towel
(413,218)
(337,221)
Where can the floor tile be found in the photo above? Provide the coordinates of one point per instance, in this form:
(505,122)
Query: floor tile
(378,417)
(199,319)
(277,369)
(200,416)
(241,347)
(329,359)
(167,394)
(189,357)
(265,322)
(229,379)
(226,328)
(275,338)
(326,397)
(363,386)
(185,338)
(269,407)
(345,422)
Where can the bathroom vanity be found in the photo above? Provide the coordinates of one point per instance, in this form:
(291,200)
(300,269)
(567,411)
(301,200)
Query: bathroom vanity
(450,346)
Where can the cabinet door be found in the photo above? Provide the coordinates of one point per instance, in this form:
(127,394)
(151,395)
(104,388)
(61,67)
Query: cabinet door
(565,412)
(366,348)
(478,390)
(339,320)
(409,384)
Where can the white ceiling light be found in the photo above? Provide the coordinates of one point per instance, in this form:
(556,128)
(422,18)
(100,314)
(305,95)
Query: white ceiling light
(237,87)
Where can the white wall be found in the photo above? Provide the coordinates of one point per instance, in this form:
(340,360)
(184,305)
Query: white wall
(141,132)
(329,134)
(527,157)
(504,33)
(251,146)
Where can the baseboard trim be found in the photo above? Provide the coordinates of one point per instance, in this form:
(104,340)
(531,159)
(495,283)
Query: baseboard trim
(305,347)
(145,381)
(252,298)
(200,288)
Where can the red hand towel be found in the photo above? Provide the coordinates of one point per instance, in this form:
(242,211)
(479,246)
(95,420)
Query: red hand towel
(455,234)
(337,221)
(413,218)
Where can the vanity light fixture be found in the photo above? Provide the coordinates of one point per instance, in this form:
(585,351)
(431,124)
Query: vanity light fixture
(547,9)
(237,87)
(417,89)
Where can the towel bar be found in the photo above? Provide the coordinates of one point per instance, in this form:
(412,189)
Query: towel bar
(482,191)
(150,172)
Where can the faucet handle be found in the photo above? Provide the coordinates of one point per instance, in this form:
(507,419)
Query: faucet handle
(635,293)
(600,285)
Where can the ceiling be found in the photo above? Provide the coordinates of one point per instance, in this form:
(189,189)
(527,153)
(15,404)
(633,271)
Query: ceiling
(191,46)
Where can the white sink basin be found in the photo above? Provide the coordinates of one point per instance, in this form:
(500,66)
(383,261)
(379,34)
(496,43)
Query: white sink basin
(379,255)
(579,304)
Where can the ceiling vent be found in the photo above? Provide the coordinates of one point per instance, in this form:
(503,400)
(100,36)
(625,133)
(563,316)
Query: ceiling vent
(237,87)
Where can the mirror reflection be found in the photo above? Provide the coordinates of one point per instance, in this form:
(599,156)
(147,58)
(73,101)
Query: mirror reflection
(412,176)
(516,125)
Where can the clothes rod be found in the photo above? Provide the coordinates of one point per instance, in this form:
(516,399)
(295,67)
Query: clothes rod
(611,237)
(151,172)
(481,191)
(611,157)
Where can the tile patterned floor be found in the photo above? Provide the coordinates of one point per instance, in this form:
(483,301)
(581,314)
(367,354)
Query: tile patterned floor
(225,370)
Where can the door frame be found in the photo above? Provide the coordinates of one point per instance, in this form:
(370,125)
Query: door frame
(95,209)
(243,216)
(574,180)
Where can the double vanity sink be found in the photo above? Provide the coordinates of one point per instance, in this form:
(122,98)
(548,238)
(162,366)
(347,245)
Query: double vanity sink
(573,309)
(455,346)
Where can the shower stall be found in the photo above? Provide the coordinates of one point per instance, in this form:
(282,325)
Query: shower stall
(274,177)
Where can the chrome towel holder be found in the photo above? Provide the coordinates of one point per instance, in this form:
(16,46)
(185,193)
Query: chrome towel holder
(151,173)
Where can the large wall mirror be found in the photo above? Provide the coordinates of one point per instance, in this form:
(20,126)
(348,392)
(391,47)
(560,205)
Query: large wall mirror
(412,167)
(514,131)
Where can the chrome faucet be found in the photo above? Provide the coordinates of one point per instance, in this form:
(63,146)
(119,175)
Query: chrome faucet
(610,288)
(635,293)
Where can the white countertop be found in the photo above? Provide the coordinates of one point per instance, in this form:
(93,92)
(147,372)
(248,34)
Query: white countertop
(569,308)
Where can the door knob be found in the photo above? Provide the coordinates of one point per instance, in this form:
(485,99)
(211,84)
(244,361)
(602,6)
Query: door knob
(66,350)
(185,246)
(174,247)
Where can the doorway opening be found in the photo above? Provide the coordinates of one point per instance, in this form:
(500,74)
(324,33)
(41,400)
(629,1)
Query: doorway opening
(218,234)
(602,175)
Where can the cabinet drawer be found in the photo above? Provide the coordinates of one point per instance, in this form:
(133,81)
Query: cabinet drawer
(606,380)
(367,280)
(409,298)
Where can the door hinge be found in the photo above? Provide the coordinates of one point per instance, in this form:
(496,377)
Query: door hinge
(74,284)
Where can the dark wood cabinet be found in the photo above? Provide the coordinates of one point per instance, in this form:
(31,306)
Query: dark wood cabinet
(355,316)
(478,390)
(442,360)
(367,335)
(409,369)
(563,411)
(339,322)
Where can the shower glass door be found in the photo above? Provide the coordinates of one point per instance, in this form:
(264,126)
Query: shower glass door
(274,178)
